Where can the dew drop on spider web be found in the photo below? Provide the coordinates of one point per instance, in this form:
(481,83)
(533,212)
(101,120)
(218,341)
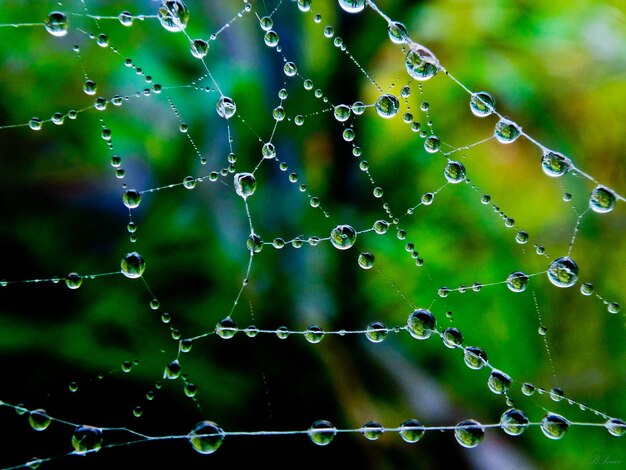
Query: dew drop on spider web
(469,433)
(387,106)
(226,328)
(305,5)
(513,422)
(376,332)
(268,150)
(366,260)
(421,64)
(563,272)
(206,437)
(397,32)
(454,172)
(616,427)
(498,382)
(266,23)
(322,432)
(452,338)
(602,200)
(73,281)
(372,430)
(125,18)
(314,334)
(358,108)
(86,439)
(131,198)
(421,324)
(173,15)
(226,107)
(57,23)
(271,38)
(411,431)
(133,265)
(35,124)
(352,6)
(554,426)
(39,420)
(475,357)
(381,227)
(482,104)
(342,112)
(555,164)
(432,144)
(172,370)
(343,237)
(506,131)
(245,184)
(517,281)
(199,48)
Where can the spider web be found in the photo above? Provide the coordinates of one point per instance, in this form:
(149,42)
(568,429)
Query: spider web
(359,216)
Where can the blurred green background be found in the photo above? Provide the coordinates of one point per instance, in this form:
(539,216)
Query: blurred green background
(557,68)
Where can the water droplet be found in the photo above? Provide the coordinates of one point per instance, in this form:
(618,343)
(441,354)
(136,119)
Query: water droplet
(131,199)
(387,106)
(381,226)
(616,427)
(586,289)
(498,382)
(475,358)
(173,15)
(454,172)
(556,394)
(266,23)
(172,370)
(432,144)
(39,420)
(268,150)
(376,332)
(372,430)
(199,48)
(563,272)
(251,331)
(190,390)
(482,104)
(411,431)
(73,281)
(206,437)
(554,164)
(245,184)
(421,324)
(73,387)
(342,237)
(314,334)
(57,23)
(506,131)
(86,439)
(554,426)
(613,307)
(521,237)
(485,199)
(513,422)
(322,432)
(125,18)
(254,243)
(342,112)
(133,265)
(127,366)
(397,32)
(271,38)
(226,328)
(528,389)
(352,6)
(452,338)
(137,411)
(602,200)
(421,64)
(427,199)
(290,70)
(358,108)
(366,260)
(443,292)
(305,5)
(517,281)
(469,433)
(282,332)
(226,107)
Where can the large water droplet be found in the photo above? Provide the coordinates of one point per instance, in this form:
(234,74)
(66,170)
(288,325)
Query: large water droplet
(39,420)
(131,199)
(616,427)
(387,106)
(421,324)
(342,112)
(513,422)
(563,272)
(86,439)
(421,64)
(602,200)
(352,6)
(366,260)
(498,382)
(517,281)
(469,433)
(554,426)
(506,131)
(554,164)
(57,23)
(454,172)
(73,281)
(372,430)
(226,107)
(322,432)
(342,237)
(199,48)
(482,104)
(133,265)
(314,334)
(397,32)
(475,358)
(172,370)
(452,338)
(376,332)
(245,184)
(206,437)
(173,15)
(411,431)
(226,328)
